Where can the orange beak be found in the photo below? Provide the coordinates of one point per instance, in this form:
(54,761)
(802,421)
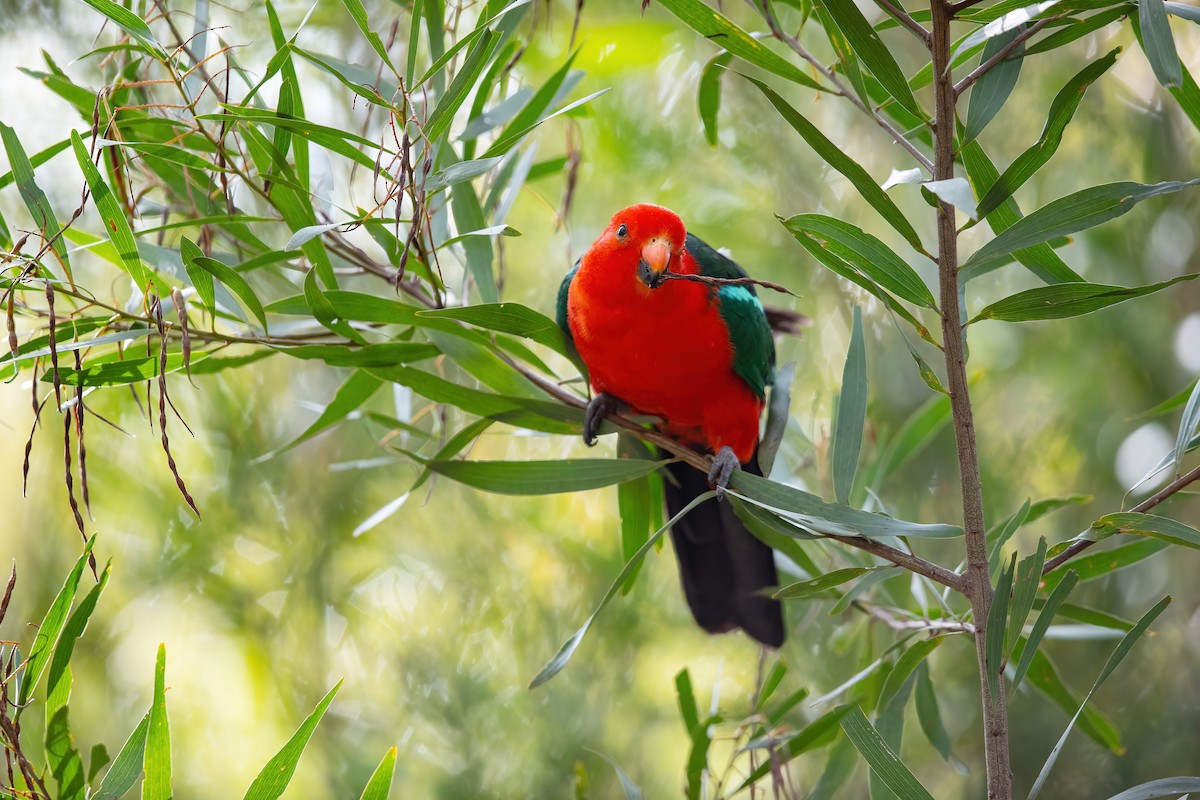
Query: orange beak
(656,256)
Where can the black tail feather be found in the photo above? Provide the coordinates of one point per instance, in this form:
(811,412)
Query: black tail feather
(722,567)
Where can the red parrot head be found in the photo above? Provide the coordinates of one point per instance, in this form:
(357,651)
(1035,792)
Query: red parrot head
(645,239)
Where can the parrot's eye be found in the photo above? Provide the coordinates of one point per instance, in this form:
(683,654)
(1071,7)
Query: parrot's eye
(622,232)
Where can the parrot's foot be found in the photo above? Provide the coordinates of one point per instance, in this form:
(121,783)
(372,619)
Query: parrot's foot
(598,408)
(723,465)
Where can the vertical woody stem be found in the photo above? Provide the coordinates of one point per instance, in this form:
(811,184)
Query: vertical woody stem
(977,582)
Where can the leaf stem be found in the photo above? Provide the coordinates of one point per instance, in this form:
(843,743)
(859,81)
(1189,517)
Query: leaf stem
(1003,53)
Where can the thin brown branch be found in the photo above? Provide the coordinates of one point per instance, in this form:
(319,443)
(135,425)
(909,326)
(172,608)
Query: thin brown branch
(935,626)
(976,580)
(1162,494)
(1003,53)
(904,19)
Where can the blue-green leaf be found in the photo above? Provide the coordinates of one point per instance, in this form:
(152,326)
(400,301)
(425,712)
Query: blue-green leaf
(851,413)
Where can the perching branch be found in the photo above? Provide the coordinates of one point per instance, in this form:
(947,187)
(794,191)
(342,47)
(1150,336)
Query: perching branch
(1004,53)
(703,463)
(1147,504)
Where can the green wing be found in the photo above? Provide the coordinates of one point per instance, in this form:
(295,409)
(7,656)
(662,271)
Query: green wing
(564,290)
(753,347)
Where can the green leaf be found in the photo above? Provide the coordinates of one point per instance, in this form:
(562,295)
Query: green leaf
(201,279)
(685,697)
(917,432)
(385,354)
(1162,528)
(991,92)
(708,96)
(993,653)
(865,253)
(1056,599)
(1177,400)
(1096,565)
(479,361)
(544,477)
(835,156)
(359,15)
(131,23)
(1062,300)
(870,48)
(110,370)
(805,589)
(468,216)
(1089,616)
(908,661)
(713,26)
(350,396)
(460,172)
(633,503)
(277,773)
(1114,660)
(157,785)
(1188,425)
(563,656)
(1066,215)
(62,758)
(1062,111)
(930,716)
(631,789)
(35,199)
(851,413)
(1158,43)
(1029,575)
(838,769)
(812,513)
(1040,259)
(381,779)
(1043,676)
(883,760)
(59,679)
(51,628)
(116,226)
(97,760)
(998,25)
(1163,787)
(512,318)
(127,767)
(233,280)
(818,733)
(464,80)
(533,111)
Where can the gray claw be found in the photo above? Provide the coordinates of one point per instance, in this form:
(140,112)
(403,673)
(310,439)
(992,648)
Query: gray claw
(598,408)
(723,465)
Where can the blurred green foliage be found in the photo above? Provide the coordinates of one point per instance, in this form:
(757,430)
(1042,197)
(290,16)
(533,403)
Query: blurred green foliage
(438,615)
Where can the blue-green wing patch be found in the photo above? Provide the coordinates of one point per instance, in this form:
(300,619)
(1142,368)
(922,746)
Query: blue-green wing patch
(564,290)
(753,347)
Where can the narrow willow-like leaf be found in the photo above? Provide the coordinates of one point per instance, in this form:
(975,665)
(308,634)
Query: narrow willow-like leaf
(512,318)
(109,370)
(378,786)
(1053,603)
(883,760)
(116,226)
(234,282)
(713,26)
(157,785)
(632,790)
(836,157)
(468,216)
(956,192)
(1062,111)
(708,95)
(464,80)
(127,767)
(778,407)
(685,698)
(1063,300)
(930,716)
(384,354)
(1189,424)
(917,432)
(359,14)
(1177,400)
(560,659)
(993,653)
(804,589)
(1011,20)
(1163,787)
(908,661)
(462,171)
(1039,259)
(812,513)
(1043,675)
(1167,530)
(838,769)
(1066,215)
(870,48)
(35,199)
(865,253)
(818,733)
(131,23)
(1096,565)
(991,92)
(51,628)
(63,758)
(1029,575)
(59,678)
(1158,43)
(277,773)
(479,361)
(851,413)
(544,477)
(633,504)
(1114,660)
(1089,616)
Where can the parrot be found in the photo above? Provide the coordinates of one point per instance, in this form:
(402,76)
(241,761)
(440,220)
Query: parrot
(700,358)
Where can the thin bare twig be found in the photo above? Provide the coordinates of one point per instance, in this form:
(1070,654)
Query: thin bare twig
(1004,53)
(711,281)
(904,19)
(1150,502)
